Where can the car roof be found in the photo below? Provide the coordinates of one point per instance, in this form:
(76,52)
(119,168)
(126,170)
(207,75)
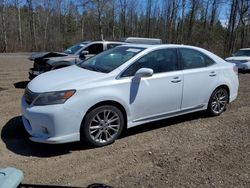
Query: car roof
(104,41)
(147,46)
(140,40)
(84,42)
(245,49)
(160,46)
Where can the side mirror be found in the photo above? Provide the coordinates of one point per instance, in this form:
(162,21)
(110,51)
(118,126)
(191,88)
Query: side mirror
(144,72)
(83,54)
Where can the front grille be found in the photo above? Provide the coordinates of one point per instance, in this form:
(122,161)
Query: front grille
(29,96)
(42,66)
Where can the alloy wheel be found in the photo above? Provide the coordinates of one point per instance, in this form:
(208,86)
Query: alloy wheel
(219,101)
(104,126)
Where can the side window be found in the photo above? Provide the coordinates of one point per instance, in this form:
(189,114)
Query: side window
(112,45)
(194,59)
(95,48)
(163,60)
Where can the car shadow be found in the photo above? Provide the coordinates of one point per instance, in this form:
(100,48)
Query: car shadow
(244,71)
(43,186)
(21,85)
(95,185)
(17,140)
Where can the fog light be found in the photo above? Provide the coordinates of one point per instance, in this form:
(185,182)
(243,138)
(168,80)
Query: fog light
(45,130)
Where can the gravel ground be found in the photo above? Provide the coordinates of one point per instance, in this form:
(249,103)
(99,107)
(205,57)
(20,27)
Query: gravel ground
(187,151)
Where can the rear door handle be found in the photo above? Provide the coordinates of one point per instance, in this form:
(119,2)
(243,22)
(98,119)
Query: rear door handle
(212,74)
(176,80)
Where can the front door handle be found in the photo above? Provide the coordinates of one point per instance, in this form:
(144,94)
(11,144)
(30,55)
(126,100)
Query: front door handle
(176,80)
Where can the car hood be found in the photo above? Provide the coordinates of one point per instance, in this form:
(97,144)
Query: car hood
(62,79)
(239,58)
(46,55)
(67,58)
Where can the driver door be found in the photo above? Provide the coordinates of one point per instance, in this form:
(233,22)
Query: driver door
(159,95)
(93,49)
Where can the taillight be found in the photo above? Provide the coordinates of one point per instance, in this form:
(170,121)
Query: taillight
(235,69)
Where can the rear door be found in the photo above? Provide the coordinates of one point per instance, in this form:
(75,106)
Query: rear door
(200,78)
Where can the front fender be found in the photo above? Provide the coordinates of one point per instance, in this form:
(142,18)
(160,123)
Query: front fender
(88,98)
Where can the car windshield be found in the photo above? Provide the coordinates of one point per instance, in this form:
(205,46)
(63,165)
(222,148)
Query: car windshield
(74,49)
(242,53)
(111,59)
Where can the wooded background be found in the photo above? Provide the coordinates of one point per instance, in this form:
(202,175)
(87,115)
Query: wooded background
(53,25)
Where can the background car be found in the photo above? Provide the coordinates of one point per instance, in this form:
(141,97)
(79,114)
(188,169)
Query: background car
(124,87)
(44,62)
(241,59)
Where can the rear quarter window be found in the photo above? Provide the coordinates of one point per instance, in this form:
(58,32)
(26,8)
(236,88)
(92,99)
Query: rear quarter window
(191,58)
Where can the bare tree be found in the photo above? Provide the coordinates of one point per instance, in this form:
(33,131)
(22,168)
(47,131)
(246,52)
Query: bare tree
(100,6)
(193,11)
(243,9)
(230,35)
(32,24)
(148,17)
(4,29)
(113,20)
(132,18)
(183,8)
(48,7)
(83,5)
(213,12)
(19,28)
(123,7)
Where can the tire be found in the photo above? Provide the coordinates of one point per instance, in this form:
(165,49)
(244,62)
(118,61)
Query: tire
(102,126)
(218,102)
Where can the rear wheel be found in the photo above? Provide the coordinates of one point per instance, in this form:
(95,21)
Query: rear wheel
(218,102)
(103,125)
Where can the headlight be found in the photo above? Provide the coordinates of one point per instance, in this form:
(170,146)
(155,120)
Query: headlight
(56,97)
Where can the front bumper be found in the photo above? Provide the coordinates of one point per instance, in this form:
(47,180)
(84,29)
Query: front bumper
(53,124)
(39,67)
(33,73)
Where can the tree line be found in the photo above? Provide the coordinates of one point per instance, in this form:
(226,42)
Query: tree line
(53,25)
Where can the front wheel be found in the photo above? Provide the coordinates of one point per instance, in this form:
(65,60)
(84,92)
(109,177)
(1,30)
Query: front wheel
(103,125)
(218,102)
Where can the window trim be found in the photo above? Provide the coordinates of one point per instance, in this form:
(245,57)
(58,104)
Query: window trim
(178,67)
(181,60)
(103,48)
(113,43)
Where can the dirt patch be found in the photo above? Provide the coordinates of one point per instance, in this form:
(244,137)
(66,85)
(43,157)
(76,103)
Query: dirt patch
(187,151)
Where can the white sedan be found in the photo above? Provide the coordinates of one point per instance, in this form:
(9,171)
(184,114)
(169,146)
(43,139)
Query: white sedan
(125,87)
(241,59)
